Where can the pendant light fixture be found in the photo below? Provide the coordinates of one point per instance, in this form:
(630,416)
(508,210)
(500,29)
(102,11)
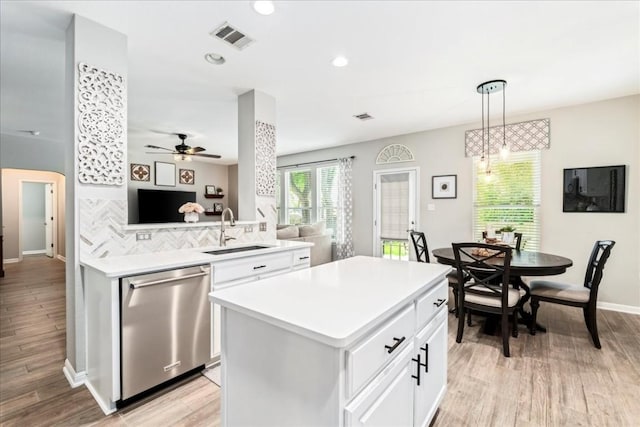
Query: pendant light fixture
(488,88)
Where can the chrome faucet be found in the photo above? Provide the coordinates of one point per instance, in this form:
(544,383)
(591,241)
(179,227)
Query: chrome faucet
(232,223)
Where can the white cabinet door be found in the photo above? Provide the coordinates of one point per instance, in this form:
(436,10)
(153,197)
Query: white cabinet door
(431,345)
(389,402)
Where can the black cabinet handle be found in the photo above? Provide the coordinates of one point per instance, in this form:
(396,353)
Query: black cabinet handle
(304,257)
(426,357)
(439,302)
(417,377)
(398,341)
(259,267)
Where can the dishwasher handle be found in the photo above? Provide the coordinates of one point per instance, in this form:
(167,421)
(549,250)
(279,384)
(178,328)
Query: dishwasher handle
(138,285)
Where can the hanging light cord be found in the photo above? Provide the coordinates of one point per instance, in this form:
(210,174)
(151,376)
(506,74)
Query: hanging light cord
(504,129)
(482,100)
(488,133)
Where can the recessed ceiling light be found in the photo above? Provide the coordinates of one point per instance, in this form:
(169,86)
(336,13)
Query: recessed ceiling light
(340,61)
(264,7)
(215,59)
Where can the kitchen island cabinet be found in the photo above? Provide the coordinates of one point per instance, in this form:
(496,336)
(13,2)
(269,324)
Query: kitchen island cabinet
(356,342)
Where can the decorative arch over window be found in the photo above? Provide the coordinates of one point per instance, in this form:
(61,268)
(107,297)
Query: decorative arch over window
(394,153)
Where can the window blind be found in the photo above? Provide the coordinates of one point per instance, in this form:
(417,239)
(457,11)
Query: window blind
(394,206)
(510,198)
(299,196)
(327,183)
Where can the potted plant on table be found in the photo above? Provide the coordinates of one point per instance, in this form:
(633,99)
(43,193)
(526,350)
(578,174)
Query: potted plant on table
(507,233)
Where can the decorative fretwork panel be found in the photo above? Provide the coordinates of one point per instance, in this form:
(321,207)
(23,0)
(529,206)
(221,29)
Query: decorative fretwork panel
(394,153)
(265,159)
(523,136)
(101,126)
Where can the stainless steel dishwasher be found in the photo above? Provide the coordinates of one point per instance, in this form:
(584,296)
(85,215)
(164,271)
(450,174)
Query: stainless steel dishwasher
(165,326)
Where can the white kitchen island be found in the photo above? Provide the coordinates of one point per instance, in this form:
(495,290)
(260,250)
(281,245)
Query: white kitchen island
(358,342)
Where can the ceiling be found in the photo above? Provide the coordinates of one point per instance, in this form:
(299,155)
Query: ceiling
(413,65)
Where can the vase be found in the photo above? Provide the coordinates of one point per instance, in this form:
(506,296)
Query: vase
(191,217)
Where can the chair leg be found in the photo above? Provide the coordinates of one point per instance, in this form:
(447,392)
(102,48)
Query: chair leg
(534,313)
(514,324)
(590,313)
(587,320)
(505,334)
(461,312)
(455,298)
(469,318)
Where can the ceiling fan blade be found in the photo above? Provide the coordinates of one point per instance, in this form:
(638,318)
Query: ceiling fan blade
(150,152)
(160,148)
(211,156)
(193,150)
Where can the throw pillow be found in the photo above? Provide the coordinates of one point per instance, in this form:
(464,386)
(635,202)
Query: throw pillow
(288,232)
(316,229)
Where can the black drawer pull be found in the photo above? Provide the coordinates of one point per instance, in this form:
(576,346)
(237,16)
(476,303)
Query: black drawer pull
(426,357)
(417,377)
(398,341)
(259,267)
(303,257)
(439,302)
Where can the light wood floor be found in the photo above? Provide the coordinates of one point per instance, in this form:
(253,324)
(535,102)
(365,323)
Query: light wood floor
(553,379)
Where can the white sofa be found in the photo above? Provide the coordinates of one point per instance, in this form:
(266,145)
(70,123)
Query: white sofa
(315,233)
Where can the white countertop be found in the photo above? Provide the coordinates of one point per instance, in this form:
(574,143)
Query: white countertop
(333,303)
(129,265)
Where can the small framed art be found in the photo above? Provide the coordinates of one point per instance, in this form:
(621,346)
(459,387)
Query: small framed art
(187,176)
(140,172)
(165,174)
(210,190)
(444,187)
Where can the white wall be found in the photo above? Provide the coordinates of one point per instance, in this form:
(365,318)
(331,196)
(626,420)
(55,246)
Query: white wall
(595,134)
(30,152)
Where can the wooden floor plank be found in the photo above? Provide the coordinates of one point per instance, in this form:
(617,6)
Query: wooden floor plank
(552,379)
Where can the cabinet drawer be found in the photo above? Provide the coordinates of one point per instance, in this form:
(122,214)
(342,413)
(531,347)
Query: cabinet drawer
(301,256)
(430,303)
(370,355)
(252,266)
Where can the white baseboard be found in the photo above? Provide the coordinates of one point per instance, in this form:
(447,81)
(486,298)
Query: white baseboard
(75,379)
(10,260)
(36,252)
(107,408)
(631,309)
(61,258)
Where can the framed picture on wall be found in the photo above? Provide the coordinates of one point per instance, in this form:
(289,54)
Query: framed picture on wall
(209,189)
(218,208)
(165,174)
(444,187)
(187,176)
(140,172)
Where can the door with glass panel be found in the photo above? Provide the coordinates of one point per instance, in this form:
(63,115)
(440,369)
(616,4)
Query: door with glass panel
(396,202)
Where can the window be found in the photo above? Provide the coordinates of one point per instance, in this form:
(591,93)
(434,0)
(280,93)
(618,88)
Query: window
(307,195)
(510,197)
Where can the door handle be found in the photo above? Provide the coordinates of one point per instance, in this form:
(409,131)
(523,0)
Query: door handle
(139,285)
(417,377)
(426,357)
(439,302)
(391,348)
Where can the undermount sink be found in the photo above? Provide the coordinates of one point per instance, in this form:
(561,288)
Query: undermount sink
(232,250)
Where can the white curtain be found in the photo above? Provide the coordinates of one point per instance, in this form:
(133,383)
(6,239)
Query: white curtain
(344,232)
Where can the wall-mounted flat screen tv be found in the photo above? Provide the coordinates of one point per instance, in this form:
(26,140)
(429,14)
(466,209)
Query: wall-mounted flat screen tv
(594,189)
(162,205)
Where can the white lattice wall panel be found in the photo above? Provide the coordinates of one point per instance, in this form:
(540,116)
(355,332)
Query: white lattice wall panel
(522,136)
(265,159)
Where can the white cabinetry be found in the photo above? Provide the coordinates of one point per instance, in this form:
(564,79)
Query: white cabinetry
(334,355)
(249,269)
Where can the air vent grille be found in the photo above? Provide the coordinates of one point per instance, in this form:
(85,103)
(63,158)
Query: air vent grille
(363,116)
(232,36)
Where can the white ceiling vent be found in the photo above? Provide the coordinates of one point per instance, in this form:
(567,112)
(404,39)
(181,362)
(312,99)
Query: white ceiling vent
(363,116)
(232,36)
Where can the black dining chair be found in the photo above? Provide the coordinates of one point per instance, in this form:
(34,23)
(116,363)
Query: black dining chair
(487,289)
(422,255)
(575,296)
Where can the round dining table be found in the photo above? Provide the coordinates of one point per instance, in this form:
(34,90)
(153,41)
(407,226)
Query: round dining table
(523,263)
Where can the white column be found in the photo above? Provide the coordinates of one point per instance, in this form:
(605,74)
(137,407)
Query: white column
(95,159)
(257,159)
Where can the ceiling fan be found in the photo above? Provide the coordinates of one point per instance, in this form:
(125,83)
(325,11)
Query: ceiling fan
(183,151)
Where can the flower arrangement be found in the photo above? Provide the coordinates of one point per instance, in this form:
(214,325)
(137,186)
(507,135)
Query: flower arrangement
(191,207)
